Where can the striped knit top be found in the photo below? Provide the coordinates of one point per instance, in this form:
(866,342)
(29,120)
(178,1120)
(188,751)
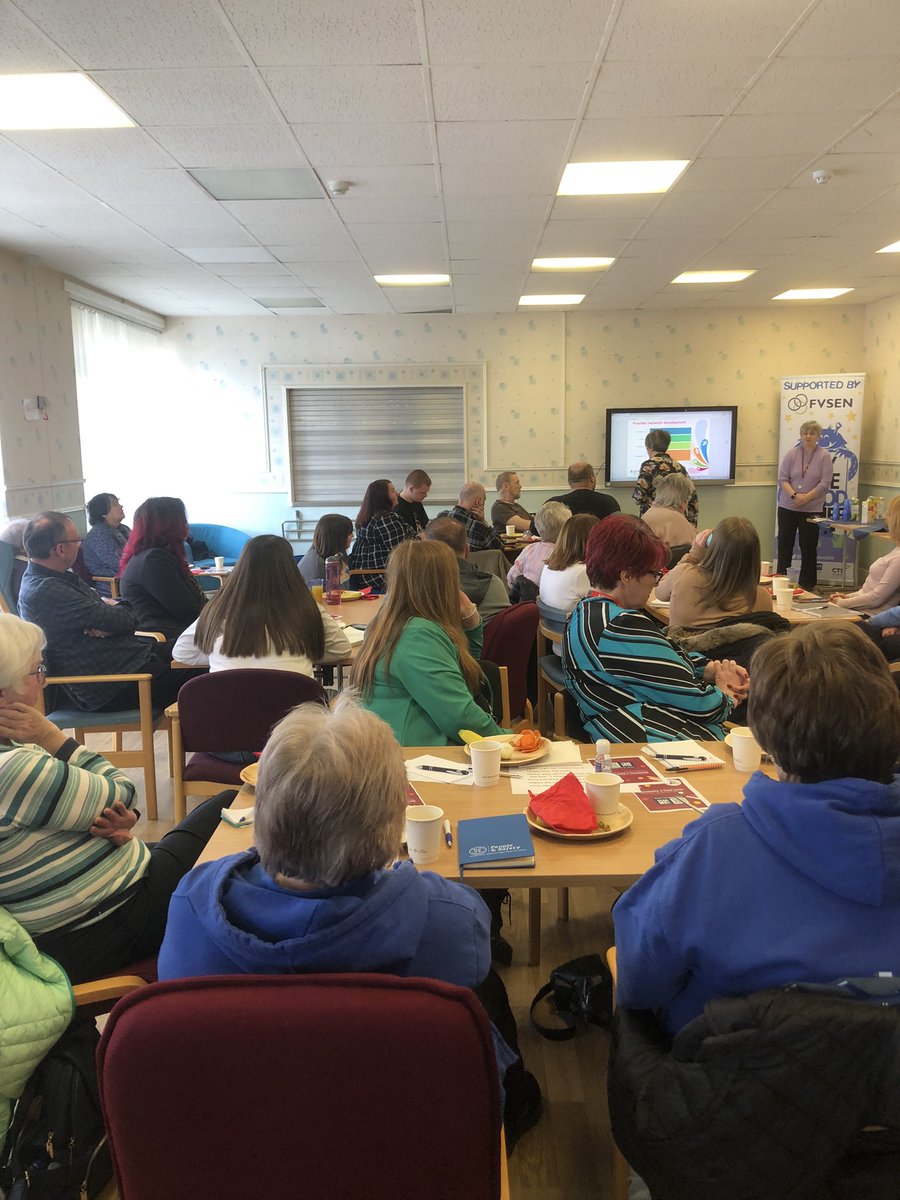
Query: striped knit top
(52,872)
(631,683)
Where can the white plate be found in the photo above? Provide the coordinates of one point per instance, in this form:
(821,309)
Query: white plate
(616,821)
(518,756)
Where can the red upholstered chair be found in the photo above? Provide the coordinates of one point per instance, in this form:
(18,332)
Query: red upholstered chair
(509,642)
(228,711)
(302,1085)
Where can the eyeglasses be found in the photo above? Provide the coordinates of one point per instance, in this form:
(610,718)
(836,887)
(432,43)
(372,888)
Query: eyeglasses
(657,575)
(41,673)
(65,541)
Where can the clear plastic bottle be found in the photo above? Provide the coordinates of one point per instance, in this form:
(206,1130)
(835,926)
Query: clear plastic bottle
(603,759)
(333,567)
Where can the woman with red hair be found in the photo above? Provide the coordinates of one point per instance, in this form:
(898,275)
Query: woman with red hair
(630,682)
(156,579)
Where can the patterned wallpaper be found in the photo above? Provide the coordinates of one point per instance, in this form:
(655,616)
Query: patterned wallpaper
(41,459)
(881,424)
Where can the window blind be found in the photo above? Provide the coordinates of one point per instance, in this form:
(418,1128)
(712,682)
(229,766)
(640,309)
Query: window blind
(342,438)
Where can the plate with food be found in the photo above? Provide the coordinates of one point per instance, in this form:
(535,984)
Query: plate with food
(351,595)
(525,747)
(249,774)
(607,826)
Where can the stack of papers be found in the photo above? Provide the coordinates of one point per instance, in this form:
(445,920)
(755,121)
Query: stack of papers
(430,768)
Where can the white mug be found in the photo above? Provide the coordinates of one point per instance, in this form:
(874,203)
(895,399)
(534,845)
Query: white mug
(603,792)
(510,530)
(745,749)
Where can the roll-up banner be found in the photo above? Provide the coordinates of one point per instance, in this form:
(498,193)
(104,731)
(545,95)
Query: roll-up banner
(836,402)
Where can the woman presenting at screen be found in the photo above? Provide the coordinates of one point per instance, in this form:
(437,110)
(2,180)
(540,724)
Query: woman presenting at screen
(654,469)
(803,479)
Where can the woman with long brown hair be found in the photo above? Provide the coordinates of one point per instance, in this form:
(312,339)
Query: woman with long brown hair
(418,667)
(564,579)
(718,578)
(263,617)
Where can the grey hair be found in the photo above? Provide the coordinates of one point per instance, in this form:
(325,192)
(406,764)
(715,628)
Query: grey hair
(810,427)
(550,519)
(14,534)
(330,795)
(470,491)
(20,644)
(674,490)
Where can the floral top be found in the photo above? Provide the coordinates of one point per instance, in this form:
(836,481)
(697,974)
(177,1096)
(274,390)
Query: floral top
(652,471)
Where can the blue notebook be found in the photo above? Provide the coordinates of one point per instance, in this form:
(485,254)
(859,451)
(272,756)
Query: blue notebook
(488,842)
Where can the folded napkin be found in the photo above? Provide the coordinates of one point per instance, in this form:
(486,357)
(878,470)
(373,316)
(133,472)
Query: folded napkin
(565,806)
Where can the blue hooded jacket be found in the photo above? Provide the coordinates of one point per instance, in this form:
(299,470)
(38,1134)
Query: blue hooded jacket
(230,916)
(801,882)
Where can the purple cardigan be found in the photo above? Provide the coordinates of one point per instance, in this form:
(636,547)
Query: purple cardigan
(817,477)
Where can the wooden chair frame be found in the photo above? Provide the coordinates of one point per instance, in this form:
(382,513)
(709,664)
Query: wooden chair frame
(181,787)
(112,580)
(546,639)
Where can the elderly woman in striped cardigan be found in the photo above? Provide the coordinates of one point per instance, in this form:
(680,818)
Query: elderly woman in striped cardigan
(92,896)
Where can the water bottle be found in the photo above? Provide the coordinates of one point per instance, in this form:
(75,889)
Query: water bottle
(333,567)
(846,509)
(603,759)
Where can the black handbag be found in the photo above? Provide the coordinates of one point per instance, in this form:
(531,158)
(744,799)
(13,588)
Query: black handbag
(580,988)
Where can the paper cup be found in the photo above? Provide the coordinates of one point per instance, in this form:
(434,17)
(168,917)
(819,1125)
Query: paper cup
(765,567)
(603,792)
(780,582)
(423,832)
(745,749)
(511,530)
(219,561)
(485,762)
(784,599)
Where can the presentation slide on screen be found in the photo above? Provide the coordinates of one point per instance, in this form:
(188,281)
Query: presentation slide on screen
(701,441)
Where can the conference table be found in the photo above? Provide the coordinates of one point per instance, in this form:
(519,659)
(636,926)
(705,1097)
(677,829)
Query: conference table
(805,609)
(559,863)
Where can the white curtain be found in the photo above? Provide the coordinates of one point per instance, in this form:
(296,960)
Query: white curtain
(120,371)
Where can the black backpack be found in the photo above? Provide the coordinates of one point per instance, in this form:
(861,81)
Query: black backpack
(581,988)
(56,1148)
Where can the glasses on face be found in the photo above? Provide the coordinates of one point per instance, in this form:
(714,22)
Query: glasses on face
(657,575)
(41,674)
(66,541)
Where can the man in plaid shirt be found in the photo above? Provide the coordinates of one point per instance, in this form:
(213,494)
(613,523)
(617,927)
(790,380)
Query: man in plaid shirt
(470,511)
(85,635)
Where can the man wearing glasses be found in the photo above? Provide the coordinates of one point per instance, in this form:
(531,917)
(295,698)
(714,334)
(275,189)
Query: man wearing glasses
(85,634)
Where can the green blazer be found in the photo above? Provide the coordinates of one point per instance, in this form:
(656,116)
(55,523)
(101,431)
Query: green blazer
(424,697)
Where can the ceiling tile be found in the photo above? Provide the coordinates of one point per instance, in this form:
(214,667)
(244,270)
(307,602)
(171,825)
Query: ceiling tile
(729,174)
(673,29)
(372,182)
(489,142)
(229,96)
(380,144)
(494,208)
(514,31)
(321,94)
(502,179)
(395,249)
(676,87)
(283,33)
(793,85)
(766,135)
(237,146)
(879,134)
(376,210)
(97,149)
(636,138)
(604,238)
(132,33)
(508,92)
(865,27)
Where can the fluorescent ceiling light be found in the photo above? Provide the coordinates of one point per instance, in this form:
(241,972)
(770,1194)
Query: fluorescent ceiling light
(571,264)
(281,183)
(712,276)
(812,293)
(543,300)
(893,248)
(620,178)
(412,280)
(61,100)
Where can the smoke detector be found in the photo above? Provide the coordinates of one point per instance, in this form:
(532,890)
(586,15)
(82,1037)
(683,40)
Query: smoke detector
(338,187)
(821,176)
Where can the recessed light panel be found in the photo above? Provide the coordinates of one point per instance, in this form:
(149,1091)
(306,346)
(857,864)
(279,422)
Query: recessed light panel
(571,264)
(289,302)
(61,100)
(543,301)
(282,183)
(620,178)
(226,254)
(412,280)
(893,248)
(812,293)
(712,276)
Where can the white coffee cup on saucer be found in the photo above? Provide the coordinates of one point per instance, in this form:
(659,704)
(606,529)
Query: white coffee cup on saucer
(603,792)
(485,756)
(745,749)
(423,832)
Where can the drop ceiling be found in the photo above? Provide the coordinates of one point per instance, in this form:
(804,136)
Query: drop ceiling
(452,121)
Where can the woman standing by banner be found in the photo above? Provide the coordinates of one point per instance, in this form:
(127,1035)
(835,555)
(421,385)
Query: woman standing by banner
(803,479)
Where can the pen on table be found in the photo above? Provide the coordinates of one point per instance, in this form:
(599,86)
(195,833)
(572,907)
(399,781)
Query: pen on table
(448,836)
(446,770)
(683,757)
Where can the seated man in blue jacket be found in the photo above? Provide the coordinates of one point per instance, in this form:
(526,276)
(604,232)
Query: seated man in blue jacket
(85,634)
(315,893)
(801,882)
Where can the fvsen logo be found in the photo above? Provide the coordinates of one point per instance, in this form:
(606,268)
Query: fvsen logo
(798,403)
(477,851)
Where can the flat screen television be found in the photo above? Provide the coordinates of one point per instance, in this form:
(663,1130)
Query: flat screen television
(703,440)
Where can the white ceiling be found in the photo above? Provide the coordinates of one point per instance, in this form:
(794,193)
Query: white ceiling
(453,120)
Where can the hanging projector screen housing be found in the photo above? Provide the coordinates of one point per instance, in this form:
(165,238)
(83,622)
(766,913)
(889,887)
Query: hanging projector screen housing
(703,441)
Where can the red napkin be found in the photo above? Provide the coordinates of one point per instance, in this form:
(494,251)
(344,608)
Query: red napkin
(565,806)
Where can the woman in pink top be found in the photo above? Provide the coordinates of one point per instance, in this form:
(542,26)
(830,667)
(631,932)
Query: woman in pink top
(882,587)
(803,479)
(548,521)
